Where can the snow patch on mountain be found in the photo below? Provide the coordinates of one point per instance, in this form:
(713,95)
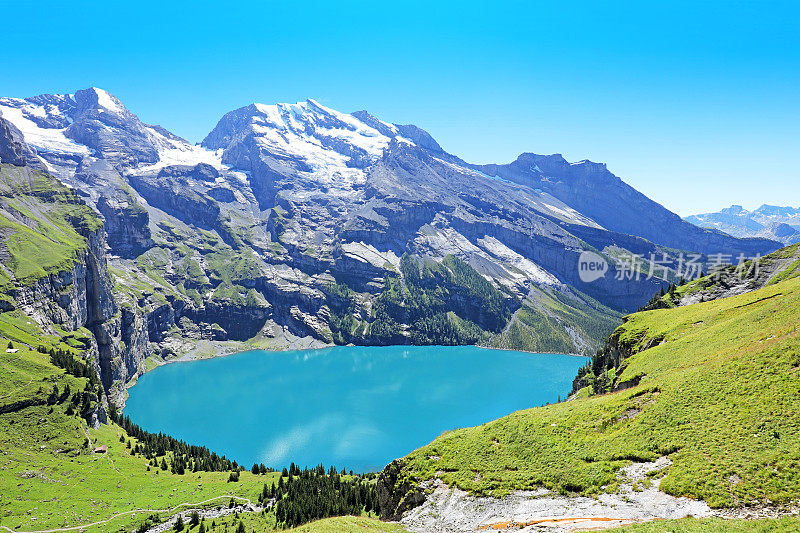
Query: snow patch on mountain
(179,152)
(309,130)
(567,213)
(367,253)
(108,102)
(44,140)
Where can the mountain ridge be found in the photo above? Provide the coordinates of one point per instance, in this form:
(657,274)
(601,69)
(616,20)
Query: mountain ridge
(769,221)
(292,221)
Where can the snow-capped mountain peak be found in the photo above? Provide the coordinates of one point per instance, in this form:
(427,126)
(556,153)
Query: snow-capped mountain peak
(94,122)
(107,101)
(308,138)
(311,123)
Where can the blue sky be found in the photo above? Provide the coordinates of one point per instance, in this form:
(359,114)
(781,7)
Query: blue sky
(696,103)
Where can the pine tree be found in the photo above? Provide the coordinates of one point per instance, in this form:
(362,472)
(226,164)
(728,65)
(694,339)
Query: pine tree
(53,397)
(179,524)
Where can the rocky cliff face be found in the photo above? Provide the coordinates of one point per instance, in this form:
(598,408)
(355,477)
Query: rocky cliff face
(11,150)
(397,495)
(71,295)
(82,297)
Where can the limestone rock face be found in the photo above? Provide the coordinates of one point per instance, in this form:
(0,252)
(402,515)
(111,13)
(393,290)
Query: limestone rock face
(395,495)
(126,224)
(177,197)
(77,295)
(82,297)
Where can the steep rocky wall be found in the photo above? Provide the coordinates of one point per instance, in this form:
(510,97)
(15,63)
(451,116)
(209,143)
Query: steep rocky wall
(82,297)
(396,493)
(77,293)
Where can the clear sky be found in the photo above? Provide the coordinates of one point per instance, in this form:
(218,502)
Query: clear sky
(695,103)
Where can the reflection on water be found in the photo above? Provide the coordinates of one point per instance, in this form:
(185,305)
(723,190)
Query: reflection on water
(353,407)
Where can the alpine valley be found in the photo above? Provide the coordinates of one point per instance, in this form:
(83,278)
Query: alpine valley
(294,225)
(290,226)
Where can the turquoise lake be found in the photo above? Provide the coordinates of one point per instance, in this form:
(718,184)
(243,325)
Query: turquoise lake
(352,407)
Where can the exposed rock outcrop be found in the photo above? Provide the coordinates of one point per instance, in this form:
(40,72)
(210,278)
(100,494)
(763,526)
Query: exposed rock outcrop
(75,295)
(396,493)
(11,150)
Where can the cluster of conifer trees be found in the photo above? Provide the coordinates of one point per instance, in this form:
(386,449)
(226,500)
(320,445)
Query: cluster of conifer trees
(184,456)
(658,301)
(73,366)
(84,401)
(301,496)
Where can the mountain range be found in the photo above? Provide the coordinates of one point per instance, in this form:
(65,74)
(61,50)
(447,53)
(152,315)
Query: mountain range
(768,221)
(298,225)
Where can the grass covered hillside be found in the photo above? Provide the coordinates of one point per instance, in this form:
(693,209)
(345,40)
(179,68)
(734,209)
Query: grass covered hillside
(42,224)
(718,393)
(49,475)
(715,525)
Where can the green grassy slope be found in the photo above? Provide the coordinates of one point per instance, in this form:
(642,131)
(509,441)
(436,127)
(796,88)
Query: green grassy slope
(50,479)
(719,396)
(715,525)
(42,224)
(257,523)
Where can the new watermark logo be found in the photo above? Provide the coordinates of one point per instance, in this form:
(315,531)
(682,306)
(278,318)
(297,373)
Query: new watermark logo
(687,267)
(591,266)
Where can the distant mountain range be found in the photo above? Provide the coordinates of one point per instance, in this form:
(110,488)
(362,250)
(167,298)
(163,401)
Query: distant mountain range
(768,221)
(296,221)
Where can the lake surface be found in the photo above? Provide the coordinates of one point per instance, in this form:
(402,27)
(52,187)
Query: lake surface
(352,407)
